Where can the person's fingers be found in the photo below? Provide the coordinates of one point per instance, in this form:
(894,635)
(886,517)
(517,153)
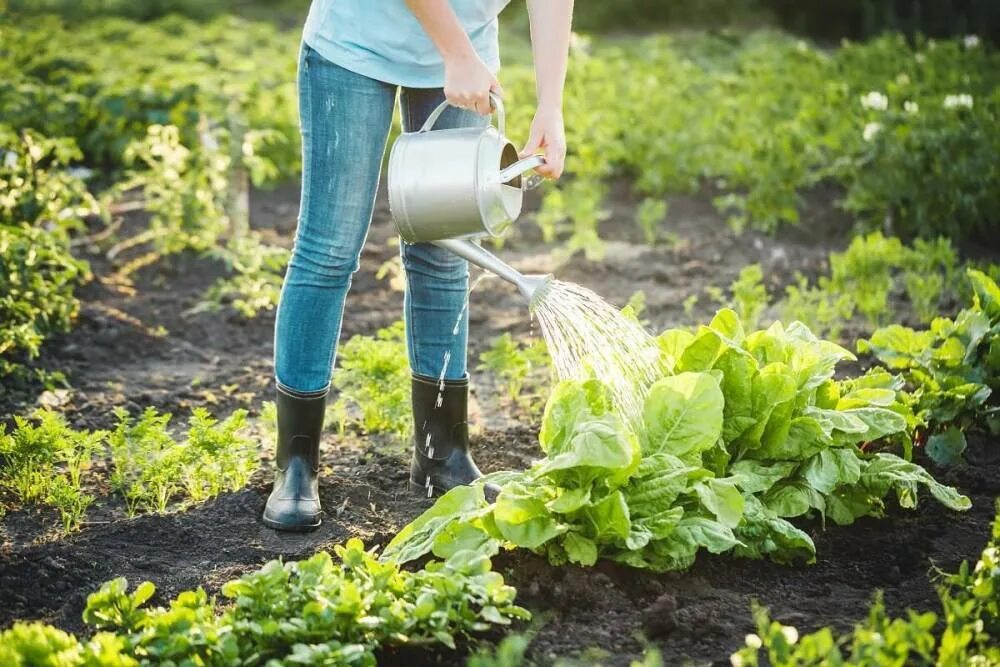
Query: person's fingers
(555,157)
(480,103)
(534,142)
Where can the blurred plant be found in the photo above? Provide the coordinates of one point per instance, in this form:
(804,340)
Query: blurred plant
(373,378)
(649,216)
(521,367)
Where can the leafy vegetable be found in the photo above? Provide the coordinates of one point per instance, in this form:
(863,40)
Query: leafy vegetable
(747,431)
(963,635)
(319,611)
(952,368)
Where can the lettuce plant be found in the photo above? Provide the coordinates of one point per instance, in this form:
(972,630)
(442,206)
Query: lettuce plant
(952,369)
(964,634)
(743,433)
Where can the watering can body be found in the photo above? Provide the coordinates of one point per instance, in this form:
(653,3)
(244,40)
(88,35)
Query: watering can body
(461,183)
(452,186)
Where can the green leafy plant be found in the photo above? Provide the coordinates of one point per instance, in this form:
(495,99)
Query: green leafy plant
(749,295)
(952,369)
(744,432)
(318,611)
(649,216)
(150,468)
(520,366)
(865,277)
(962,635)
(373,378)
(43,460)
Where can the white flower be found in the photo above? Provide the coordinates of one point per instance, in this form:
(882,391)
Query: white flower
(736,660)
(920,58)
(875,100)
(903,79)
(790,633)
(911,107)
(82,173)
(962,100)
(871,131)
(753,641)
(10,159)
(971,41)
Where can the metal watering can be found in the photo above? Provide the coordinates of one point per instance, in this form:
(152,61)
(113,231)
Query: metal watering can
(451,186)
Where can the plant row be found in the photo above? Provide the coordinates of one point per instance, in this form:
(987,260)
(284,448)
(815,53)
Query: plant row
(45,461)
(905,130)
(318,611)
(964,633)
(744,432)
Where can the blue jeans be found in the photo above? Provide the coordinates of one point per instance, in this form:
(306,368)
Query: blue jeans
(345,121)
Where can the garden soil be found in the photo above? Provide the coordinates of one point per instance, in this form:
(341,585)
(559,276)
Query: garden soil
(149,345)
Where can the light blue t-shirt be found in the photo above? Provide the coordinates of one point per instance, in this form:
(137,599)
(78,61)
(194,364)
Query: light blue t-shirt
(383,40)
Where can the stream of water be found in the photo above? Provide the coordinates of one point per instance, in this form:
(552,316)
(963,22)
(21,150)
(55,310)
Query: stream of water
(586,336)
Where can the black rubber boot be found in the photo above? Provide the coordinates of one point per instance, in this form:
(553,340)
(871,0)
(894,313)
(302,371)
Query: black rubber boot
(294,502)
(441,458)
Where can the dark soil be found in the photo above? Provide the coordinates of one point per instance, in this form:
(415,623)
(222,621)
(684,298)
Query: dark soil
(116,357)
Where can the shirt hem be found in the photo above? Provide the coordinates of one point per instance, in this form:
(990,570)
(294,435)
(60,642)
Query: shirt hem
(396,74)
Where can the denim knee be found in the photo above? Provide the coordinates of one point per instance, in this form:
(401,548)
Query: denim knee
(431,261)
(336,265)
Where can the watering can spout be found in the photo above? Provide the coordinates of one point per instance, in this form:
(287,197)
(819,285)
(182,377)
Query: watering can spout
(530,286)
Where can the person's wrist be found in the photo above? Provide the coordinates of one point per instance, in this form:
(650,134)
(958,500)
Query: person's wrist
(549,107)
(462,55)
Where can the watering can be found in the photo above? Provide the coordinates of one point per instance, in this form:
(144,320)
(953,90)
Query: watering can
(453,186)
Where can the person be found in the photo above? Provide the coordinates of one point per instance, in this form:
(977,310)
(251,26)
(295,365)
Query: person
(356,57)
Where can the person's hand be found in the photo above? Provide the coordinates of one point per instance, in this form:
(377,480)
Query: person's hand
(548,136)
(468,83)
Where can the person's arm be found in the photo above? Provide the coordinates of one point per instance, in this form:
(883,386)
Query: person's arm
(467,79)
(551,25)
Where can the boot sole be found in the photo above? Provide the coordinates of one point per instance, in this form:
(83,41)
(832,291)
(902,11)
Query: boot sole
(291,528)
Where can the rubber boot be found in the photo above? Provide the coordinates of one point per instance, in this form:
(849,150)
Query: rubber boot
(441,459)
(294,502)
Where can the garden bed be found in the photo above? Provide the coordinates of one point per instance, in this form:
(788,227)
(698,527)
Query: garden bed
(118,356)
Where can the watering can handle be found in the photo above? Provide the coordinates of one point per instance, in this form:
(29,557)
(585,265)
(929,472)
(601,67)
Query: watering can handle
(520,167)
(495,102)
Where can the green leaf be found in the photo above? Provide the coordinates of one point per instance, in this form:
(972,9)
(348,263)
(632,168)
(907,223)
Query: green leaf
(946,447)
(803,438)
(887,471)
(463,536)
(763,533)
(701,353)
(829,468)
(721,498)
(738,369)
(793,498)
(609,517)
(707,533)
(987,293)
(683,414)
(580,549)
(672,344)
(523,519)
(754,476)
(417,538)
